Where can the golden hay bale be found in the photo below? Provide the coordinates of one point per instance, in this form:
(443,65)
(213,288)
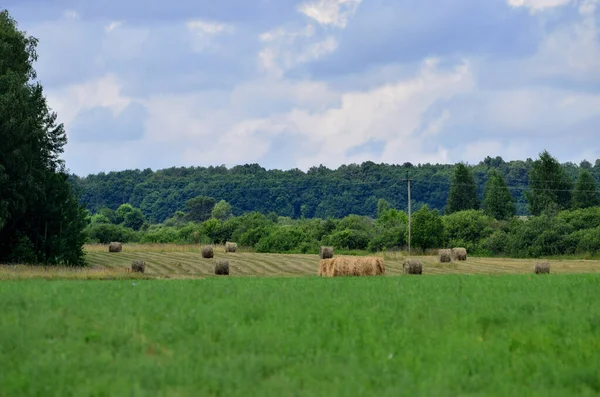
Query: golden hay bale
(208,252)
(542,268)
(445,255)
(138,266)
(326,253)
(222,267)
(412,266)
(351,266)
(230,247)
(115,247)
(459,254)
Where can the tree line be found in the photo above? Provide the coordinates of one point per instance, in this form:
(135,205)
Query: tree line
(319,192)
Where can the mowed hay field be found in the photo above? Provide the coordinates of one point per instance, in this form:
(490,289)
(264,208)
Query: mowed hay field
(172,261)
(520,335)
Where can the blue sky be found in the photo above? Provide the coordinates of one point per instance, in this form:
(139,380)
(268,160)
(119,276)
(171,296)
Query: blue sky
(287,83)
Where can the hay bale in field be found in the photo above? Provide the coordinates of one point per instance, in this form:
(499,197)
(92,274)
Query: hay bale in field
(208,252)
(542,268)
(230,247)
(445,255)
(351,266)
(115,247)
(459,254)
(138,266)
(326,253)
(222,267)
(412,266)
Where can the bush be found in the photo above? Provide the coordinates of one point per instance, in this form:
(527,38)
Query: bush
(348,239)
(104,233)
(283,239)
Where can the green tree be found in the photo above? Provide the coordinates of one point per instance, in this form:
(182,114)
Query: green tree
(463,191)
(586,191)
(427,228)
(222,210)
(40,218)
(199,208)
(382,206)
(498,202)
(548,184)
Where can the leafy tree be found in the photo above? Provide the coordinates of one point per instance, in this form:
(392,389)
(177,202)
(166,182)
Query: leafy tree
(382,206)
(40,218)
(463,191)
(467,228)
(548,184)
(222,210)
(199,208)
(585,165)
(134,219)
(586,191)
(427,228)
(498,202)
(122,212)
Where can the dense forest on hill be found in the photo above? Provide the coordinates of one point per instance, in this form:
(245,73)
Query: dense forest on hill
(318,193)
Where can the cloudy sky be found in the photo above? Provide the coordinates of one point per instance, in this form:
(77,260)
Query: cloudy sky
(298,83)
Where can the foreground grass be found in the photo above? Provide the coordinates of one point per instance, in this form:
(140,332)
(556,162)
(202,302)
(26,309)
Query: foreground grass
(380,336)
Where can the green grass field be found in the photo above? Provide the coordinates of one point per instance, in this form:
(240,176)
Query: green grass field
(518,335)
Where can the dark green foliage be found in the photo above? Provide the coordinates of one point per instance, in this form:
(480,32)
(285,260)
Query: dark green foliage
(199,208)
(104,233)
(427,228)
(548,184)
(40,218)
(467,229)
(284,239)
(222,210)
(498,202)
(586,191)
(463,191)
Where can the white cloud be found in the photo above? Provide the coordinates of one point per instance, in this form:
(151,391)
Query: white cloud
(586,7)
(330,12)
(286,49)
(113,25)
(391,113)
(204,32)
(71,14)
(104,91)
(539,5)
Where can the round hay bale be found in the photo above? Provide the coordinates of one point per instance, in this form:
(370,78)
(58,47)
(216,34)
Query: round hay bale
(459,254)
(138,266)
(412,266)
(222,267)
(542,268)
(115,247)
(445,255)
(351,266)
(208,252)
(326,253)
(230,247)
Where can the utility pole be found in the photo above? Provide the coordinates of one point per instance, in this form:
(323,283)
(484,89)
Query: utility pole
(409,213)
(409,225)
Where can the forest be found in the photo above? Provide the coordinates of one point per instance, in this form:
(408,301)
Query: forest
(319,192)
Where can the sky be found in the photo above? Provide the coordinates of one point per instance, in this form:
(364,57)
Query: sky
(301,83)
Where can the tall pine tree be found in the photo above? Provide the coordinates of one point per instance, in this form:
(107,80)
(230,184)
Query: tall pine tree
(498,202)
(40,219)
(586,191)
(549,185)
(463,191)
